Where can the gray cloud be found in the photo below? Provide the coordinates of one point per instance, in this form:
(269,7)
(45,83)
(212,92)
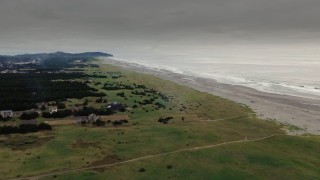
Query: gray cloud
(43,25)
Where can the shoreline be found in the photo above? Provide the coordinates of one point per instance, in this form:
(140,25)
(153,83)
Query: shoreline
(298,111)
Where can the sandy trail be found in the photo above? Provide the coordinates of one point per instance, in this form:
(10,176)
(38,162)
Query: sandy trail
(145,157)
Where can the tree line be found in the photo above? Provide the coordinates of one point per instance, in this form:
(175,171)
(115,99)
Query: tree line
(22,91)
(24,128)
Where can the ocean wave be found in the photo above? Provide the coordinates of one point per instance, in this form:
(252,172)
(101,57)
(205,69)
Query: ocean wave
(151,66)
(264,85)
(284,88)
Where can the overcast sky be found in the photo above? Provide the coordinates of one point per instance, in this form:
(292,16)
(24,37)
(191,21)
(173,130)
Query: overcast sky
(141,26)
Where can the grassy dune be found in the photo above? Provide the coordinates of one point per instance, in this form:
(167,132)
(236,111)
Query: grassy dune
(199,119)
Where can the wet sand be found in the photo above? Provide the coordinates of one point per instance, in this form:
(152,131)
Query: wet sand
(301,112)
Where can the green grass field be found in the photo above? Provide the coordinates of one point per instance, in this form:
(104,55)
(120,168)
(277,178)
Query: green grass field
(253,149)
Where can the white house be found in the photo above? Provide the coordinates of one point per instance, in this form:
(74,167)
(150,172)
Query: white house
(93,118)
(6,114)
(53,109)
(87,119)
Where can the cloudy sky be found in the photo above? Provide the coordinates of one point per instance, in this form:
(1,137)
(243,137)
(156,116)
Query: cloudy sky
(128,27)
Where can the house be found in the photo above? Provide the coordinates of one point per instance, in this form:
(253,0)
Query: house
(53,109)
(6,114)
(29,122)
(87,119)
(116,106)
(93,118)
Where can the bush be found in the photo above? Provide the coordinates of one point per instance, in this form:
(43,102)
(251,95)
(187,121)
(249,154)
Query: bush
(160,105)
(59,114)
(44,126)
(24,128)
(46,115)
(164,120)
(99,100)
(86,101)
(86,111)
(121,94)
(99,123)
(43,107)
(119,122)
(61,106)
(29,116)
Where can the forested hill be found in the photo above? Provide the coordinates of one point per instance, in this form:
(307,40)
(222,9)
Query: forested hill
(59,55)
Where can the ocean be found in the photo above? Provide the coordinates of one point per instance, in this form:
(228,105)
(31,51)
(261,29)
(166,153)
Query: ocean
(295,75)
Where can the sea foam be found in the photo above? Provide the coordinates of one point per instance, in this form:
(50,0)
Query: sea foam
(295,79)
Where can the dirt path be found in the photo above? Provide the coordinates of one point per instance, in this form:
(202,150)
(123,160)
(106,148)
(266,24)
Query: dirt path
(144,157)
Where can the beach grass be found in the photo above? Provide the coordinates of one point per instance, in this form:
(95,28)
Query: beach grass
(246,147)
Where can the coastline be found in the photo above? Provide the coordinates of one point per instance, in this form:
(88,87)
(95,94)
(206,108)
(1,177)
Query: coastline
(300,112)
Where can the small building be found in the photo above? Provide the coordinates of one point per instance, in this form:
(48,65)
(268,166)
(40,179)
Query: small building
(78,61)
(93,118)
(116,106)
(6,114)
(87,119)
(53,109)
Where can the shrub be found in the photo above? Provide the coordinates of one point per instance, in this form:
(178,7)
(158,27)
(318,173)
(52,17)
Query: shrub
(61,106)
(24,128)
(121,94)
(29,116)
(44,126)
(43,107)
(119,122)
(59,114)
(164,120)
(99,123)
(99,100)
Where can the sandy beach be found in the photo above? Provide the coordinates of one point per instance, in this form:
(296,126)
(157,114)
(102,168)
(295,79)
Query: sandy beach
(301,112)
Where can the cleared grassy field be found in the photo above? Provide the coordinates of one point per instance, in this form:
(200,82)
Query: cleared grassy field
(208,138)
(275,158)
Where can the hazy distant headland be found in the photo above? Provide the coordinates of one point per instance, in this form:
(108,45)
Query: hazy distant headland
(44,56)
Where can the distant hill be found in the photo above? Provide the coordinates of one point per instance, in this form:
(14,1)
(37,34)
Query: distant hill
(58,55)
